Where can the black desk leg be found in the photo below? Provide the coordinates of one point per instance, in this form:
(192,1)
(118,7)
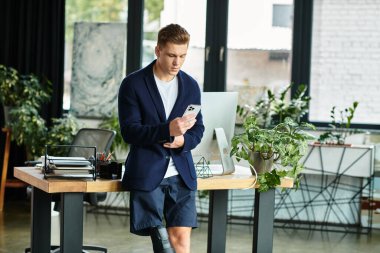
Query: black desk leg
(41,221)
(263,222)
(71,222)
(217,221)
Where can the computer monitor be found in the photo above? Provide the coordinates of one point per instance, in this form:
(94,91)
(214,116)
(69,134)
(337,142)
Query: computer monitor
(219,112)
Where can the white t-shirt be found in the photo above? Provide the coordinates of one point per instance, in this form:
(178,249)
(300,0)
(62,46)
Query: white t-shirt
(169,93)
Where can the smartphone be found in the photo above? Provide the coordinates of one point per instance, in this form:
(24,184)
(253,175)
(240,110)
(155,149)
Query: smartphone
(192,109)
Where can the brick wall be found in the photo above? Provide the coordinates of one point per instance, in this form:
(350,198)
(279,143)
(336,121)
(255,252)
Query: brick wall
(346,58)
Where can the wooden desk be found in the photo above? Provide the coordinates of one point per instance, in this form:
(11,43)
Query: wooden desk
(71,217)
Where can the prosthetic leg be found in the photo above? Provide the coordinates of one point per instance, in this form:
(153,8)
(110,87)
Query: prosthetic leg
(160,240)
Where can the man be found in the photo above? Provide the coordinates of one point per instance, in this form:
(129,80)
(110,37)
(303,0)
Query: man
(159,170)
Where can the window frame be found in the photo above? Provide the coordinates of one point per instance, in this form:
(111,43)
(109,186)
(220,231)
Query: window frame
(216,47)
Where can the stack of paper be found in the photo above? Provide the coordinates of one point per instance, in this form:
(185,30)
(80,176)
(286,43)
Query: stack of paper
(68,166)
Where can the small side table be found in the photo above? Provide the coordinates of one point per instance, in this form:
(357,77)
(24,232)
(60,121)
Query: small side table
(12,183)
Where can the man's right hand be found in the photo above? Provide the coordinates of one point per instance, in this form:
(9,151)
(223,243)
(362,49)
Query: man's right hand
(180,125)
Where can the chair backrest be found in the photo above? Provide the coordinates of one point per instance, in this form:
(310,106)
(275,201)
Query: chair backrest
(101,138)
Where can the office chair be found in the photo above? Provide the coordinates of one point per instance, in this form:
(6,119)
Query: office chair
(102,139)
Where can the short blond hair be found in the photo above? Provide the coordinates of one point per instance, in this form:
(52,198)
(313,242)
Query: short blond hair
(173,33)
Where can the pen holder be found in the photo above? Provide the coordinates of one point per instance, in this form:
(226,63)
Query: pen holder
(110,170)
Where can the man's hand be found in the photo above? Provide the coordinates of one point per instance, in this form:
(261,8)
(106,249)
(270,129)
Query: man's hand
(177,143)
(179,126)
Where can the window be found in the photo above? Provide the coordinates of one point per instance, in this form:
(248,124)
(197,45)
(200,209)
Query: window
(258,53)
(159,13)
(282,15)
(345,60)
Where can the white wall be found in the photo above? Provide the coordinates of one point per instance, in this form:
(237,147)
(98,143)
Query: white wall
(346,58)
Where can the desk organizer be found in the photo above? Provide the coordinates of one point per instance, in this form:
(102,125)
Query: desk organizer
(111,170)
(70,166)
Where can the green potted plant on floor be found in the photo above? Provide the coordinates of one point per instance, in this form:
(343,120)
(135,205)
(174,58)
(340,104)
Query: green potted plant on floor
(23,97)
(282,145)
(28,129)
(8,89)
(17,90)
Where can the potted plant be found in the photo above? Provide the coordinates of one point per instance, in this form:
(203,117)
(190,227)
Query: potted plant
(21,90)
(31,130)
(22,96)
(283,145)
(274,108)
(62,132)
(9,89)
(340,126)
(28,128)
(118,144)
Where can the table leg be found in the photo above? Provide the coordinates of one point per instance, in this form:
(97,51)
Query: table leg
(41,221)
(217,221)
(263,221)
(71,222)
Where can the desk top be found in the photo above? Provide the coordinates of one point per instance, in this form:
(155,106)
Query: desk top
(241,179)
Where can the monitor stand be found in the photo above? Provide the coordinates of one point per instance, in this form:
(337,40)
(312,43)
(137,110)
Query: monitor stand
(228,166)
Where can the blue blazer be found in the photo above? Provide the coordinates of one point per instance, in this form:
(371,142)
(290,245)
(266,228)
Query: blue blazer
(144,126)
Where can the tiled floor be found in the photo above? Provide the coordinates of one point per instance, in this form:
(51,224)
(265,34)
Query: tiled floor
(112,231)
